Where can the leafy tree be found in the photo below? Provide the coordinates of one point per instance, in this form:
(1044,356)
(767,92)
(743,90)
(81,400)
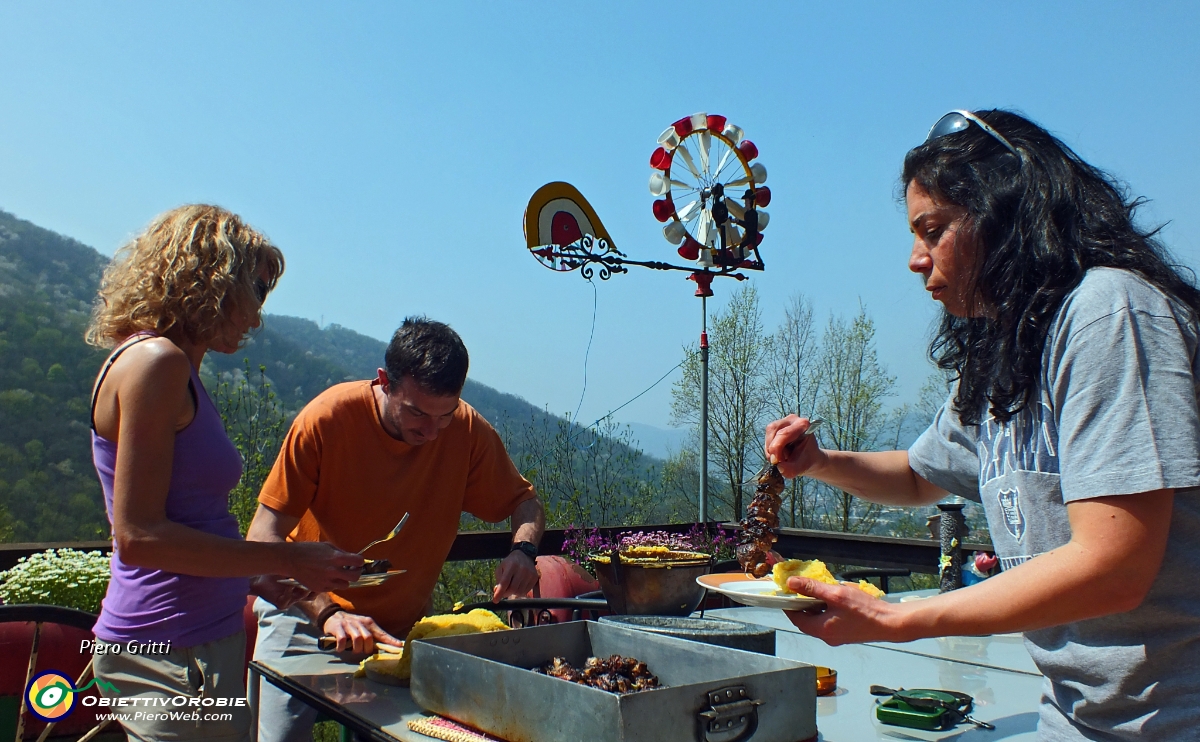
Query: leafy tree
(48,487)
(853,386)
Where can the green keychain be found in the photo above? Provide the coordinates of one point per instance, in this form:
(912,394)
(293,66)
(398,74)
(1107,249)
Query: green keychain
(925,709)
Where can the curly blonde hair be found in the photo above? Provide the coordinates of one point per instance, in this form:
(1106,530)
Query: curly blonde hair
(187,272)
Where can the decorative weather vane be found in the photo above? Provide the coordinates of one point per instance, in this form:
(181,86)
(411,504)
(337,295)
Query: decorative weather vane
(703,162)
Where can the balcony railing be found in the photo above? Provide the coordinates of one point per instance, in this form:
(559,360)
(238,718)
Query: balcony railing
(848,549)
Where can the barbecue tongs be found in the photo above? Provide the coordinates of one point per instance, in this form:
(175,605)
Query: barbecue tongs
(958,709)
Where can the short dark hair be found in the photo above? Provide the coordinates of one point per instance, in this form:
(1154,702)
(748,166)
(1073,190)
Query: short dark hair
(1041,219)
(429,352)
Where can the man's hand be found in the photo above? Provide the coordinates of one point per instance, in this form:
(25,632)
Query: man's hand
(515,576)
(850,617)
(358,632)
(282,596)
(790,448)
(322,567)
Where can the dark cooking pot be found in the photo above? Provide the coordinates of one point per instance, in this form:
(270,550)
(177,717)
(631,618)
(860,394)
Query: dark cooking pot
(658,588)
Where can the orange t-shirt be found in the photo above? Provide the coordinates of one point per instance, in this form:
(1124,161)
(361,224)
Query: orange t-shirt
(350,482)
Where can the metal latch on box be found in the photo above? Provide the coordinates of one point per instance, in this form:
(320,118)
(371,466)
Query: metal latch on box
(731,715)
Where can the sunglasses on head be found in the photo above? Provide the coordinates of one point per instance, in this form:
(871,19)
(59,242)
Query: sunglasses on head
(260,290)
(957,121)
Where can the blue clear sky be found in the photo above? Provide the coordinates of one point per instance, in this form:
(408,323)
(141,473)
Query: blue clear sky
(390,148)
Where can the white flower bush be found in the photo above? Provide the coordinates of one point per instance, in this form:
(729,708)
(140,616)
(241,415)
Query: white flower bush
(65,577)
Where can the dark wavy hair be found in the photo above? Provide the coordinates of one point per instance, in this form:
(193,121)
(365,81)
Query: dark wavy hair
(431,353)
(1041,220)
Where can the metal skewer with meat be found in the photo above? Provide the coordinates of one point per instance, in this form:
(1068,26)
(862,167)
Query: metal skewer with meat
(762,517)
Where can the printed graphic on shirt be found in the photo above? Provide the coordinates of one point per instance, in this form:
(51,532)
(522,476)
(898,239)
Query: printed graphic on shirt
(1027,442)
(1014,518)
(1009,453)
(1012,561)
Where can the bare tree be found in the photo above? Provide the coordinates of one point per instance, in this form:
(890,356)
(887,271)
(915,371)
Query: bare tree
(738,399)
(853,387)
(932,397)
(792,388)
(679,484)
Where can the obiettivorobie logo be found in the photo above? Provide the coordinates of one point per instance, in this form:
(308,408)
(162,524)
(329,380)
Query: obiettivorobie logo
(51,695)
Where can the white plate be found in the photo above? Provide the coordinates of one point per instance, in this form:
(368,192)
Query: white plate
(758,593)
(363,581)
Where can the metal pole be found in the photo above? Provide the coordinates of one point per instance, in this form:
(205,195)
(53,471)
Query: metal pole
(796,503)
(704,409)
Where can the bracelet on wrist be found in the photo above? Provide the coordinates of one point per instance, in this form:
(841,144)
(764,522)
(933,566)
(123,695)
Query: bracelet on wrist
(325,614)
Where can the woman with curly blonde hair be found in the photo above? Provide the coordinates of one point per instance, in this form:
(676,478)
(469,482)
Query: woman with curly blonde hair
(171,623)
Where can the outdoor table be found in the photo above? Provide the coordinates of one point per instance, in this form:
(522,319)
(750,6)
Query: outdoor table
(996,670)
(326,682)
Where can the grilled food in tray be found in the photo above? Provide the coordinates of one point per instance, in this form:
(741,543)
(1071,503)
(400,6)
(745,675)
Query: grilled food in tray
(616,674)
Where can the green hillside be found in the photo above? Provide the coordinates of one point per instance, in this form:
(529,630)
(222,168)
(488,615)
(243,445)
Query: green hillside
(48,488)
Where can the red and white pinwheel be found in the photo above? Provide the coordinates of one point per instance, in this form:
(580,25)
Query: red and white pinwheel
(710,192)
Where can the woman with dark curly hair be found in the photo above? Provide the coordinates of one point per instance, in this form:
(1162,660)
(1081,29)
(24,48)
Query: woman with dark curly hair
(1072,341)
(171,623)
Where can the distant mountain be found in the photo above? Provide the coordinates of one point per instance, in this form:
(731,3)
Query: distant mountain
(658,442)
(303,359)
(48,488)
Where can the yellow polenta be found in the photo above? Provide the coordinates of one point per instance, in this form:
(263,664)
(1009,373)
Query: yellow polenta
(813,569)
(474,622)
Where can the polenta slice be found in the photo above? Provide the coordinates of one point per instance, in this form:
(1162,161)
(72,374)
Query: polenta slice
(400,666)
(813,569)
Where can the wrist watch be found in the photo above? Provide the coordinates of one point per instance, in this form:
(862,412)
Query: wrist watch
(527,547)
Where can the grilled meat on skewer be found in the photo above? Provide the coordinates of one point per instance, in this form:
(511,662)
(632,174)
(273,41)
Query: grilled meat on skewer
(762,518)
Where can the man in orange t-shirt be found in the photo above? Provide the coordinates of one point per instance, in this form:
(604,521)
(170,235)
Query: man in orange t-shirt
(356,459)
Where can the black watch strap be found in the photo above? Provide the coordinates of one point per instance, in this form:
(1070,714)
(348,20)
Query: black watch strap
(527,547)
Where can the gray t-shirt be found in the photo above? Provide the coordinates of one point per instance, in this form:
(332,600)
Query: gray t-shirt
(1117,415)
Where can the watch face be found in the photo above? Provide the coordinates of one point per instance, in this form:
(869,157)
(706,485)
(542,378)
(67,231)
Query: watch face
(527,548)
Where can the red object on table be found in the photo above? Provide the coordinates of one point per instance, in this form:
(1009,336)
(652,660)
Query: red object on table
(561,578)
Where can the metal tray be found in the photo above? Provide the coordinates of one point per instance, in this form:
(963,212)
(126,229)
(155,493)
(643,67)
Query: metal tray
(711,693)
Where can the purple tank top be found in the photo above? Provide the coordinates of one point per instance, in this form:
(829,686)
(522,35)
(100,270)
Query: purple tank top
(145,605)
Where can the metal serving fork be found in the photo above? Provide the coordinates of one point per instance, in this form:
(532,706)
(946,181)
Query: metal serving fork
(813,424)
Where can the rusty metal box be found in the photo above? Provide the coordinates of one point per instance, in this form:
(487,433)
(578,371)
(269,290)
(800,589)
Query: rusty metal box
(709,693)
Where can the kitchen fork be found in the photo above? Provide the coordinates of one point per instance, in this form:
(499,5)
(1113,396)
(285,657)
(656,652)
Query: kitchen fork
(388,537)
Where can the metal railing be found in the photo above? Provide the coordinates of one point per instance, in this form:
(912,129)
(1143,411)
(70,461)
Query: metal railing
(847,549)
